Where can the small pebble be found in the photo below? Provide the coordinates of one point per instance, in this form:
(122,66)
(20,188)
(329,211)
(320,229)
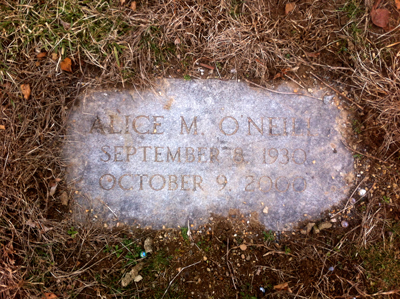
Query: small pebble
(243,247)
(325,225)
(262,290)
(328,99)
(345,223)
(362,192)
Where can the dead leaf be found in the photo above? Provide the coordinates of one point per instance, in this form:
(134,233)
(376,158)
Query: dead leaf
(64,198)
(282,287)
(133,5)
(2,127)
(127,279)
(45,229)
(53,187)
(65,25)
(289,7)
(30,223)
(313,54)
(49,296)
(26,91)
(380,17)
(54,56)
(397,4)
(243,247)
(66,65)
(41,55)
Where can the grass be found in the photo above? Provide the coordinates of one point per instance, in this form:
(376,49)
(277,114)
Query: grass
(44,251)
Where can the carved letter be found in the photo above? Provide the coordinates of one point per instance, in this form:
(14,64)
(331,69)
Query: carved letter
(309,129)
(110,179)
(172,180)
(294,128)
(193,124)
(184,182)
(112,126)
(151,182)
(236,124)
(141,180)
(214,156)
(120,182)
(156,124)
(190,156)
(201,154)
(144,152)
(178,153)
(272,126)
(117,153)
(261,130)
(128,148)
(134,124)
(104,151)
(195,183)
(97,125)
(157,154)
(127,124)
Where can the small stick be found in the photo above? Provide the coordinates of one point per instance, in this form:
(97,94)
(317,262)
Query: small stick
(207,66)
(335,90)
(170,283)
(281,92)
(366,155)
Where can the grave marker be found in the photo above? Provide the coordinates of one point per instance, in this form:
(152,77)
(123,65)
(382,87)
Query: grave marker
(186,149)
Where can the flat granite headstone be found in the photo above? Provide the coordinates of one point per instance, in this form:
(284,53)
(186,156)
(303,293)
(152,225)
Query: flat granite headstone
(186,149)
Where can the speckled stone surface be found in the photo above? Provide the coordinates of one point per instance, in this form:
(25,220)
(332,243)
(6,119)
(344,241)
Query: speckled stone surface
(186,149)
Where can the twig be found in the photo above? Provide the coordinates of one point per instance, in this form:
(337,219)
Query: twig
(335,90)
(366,155)
(227,263)
(170,283)
(280,92)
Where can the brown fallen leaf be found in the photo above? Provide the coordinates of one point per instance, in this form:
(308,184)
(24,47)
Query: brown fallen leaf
(26,91)
(133,5)
(397,4)
(30,223)
(49,296)
(380,17)
(312,54)
(41,55)
(65,25)
(2,127)
(64,198)
(282,287)
(289,7)
(66,65)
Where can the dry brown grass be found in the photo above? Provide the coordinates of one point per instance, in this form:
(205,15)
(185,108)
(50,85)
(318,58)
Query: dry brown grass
(113,45)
